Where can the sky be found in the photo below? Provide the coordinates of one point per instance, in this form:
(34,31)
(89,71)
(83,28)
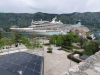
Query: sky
(49,6)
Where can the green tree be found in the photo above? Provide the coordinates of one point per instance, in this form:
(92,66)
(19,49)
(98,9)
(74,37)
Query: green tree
(1,43)
(60,40)
(69,38)
(85,45)
(53,39)
(88,37)
(1,36)
(25,40)
(92,45)
(17,37)
(5,41)
(81,40)
(76,37)
(11,39)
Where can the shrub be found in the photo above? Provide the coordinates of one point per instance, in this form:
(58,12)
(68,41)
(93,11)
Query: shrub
(49,52)
(16,45)
(40,46)
(64,50)
(47,44)
(66,47)
(49,48)
(77,52)
(87,52)
(88,37)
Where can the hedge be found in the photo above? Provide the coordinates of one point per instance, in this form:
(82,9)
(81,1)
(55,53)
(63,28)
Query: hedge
(73,59)
(66,47)
(47,44)
(77,52)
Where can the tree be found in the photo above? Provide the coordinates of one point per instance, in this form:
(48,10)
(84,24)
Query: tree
(69,38)
(11,39)
(17,37)
(1,36)
(92,45)
(24,40)
(5,41)
(1,43)
(53,39)
(31,36)
(81,39)
(88,37)
(85,45)
(76,37)
(60,40)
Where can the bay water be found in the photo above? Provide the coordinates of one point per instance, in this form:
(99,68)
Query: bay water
(6,34)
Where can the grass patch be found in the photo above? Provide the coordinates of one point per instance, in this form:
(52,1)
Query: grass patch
(64,50)
(73,47)
(77,52)
(30,47)
(70,47)
(46,44)
(87,52)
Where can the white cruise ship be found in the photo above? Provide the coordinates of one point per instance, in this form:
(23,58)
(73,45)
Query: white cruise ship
(46,28)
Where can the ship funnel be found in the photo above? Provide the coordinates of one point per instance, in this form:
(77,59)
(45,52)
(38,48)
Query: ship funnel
(78,22)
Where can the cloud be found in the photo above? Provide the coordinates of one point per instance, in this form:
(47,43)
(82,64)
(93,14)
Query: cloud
(49,6)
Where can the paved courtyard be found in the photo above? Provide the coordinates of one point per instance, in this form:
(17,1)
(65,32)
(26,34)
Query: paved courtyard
(56,63)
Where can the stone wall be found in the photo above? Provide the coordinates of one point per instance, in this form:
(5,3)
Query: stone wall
(89,63)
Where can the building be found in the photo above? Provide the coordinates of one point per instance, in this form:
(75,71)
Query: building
(1,29)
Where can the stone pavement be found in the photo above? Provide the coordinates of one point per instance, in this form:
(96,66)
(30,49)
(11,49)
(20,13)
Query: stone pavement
(36,51)
(80,50)
(56,63)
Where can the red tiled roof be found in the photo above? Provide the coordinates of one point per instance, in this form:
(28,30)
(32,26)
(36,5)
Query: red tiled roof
(1,29)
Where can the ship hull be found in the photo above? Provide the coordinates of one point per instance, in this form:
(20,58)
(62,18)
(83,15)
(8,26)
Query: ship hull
(38,32)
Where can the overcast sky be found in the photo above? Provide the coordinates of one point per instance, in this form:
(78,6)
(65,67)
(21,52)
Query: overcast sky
(49,6)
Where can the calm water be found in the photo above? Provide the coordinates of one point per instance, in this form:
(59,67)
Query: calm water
(6,34)
(96,34)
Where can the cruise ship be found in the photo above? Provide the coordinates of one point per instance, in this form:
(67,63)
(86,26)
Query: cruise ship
(46,28)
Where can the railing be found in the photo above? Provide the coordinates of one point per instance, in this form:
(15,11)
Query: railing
(11,50)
